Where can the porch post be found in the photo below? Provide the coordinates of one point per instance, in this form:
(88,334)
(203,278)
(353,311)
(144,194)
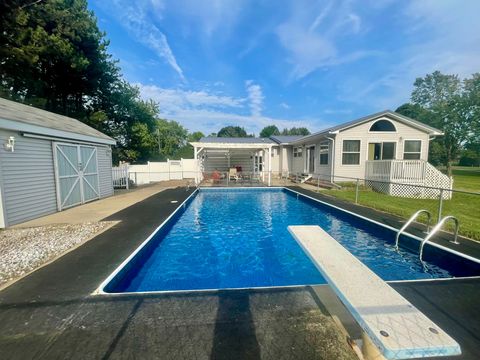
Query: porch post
(263,165)
(269,166)
(304,152)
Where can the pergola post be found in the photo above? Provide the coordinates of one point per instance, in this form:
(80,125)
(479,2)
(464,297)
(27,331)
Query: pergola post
(263,165)
(269,166)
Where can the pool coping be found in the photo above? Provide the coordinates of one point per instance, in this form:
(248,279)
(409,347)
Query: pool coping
(99,291)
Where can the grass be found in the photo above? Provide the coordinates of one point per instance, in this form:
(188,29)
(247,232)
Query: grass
(464,206)
(466,178)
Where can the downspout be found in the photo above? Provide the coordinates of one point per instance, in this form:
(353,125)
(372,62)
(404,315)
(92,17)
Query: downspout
(332,171)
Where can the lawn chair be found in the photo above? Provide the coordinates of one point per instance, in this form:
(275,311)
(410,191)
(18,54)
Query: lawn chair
(232,174)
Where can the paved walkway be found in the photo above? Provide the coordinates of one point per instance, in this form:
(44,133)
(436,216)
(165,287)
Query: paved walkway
(100,209)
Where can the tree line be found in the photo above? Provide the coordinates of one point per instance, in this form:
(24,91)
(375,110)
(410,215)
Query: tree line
(267,131)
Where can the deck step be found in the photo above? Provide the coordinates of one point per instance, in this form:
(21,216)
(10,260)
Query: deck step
(392,323)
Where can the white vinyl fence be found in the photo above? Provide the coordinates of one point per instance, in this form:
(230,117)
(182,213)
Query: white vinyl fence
(154,172)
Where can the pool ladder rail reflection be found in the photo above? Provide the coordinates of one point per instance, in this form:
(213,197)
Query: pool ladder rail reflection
(430,234)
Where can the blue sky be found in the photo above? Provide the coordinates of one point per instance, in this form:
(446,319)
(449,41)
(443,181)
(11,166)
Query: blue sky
(310,63)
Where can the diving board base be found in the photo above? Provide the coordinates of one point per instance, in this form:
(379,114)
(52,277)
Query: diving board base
(392,323)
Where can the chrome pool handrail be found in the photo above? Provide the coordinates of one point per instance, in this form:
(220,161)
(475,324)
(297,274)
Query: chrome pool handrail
(436,229)
(412,219)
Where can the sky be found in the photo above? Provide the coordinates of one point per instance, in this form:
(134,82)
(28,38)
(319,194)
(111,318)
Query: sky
(213,63)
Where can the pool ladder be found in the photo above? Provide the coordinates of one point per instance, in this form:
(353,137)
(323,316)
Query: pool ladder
(412,219)
(436,229)
(430,234)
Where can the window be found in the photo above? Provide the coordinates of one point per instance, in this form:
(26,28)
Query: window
(351,152)
(412,150)
(297,152)
(382,125)
(324,147)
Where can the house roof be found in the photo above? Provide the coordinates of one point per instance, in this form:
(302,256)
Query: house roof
(386,113)
(28,119)
(235,140)
(285,139)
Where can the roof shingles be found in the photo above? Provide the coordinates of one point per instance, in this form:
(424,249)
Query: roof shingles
(13,111)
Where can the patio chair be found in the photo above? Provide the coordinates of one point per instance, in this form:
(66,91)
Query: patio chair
(232,174)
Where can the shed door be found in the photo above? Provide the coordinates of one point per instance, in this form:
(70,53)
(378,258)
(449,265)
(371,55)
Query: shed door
(89,172)
(76,173)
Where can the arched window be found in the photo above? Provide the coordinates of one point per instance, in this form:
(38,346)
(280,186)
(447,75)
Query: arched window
(383,125)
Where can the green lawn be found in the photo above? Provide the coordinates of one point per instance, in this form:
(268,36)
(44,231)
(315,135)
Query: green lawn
(466,178)
(465,207)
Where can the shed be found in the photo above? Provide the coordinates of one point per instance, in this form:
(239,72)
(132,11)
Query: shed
(48,163)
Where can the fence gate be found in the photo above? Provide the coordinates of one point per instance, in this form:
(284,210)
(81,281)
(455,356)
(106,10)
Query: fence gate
(76,174)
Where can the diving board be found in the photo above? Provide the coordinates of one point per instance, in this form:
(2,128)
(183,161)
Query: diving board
(396,327)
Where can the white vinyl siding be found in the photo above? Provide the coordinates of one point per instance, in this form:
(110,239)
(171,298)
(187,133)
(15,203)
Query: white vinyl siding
(104,156)
(362,133)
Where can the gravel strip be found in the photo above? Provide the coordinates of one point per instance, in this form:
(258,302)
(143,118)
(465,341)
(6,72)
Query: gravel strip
(25,249)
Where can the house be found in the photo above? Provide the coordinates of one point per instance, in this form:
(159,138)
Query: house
(385,146)
(48,163)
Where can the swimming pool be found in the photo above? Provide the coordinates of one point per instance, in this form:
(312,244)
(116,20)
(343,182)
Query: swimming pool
(238,238)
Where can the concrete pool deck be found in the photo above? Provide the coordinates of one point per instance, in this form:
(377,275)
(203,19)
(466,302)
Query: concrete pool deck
(52,314)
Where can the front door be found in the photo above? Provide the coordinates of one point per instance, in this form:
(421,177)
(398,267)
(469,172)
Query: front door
(311,159)
(76,173)
(381,151)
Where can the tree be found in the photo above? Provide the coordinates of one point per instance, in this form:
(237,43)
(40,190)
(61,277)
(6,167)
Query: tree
(171,136)
(124,111)
(296,131)
(269,130)
(454,104)
(195,136)
(53,55)
(232,131)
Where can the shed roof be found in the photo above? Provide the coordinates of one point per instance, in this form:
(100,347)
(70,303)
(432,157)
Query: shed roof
(20,117)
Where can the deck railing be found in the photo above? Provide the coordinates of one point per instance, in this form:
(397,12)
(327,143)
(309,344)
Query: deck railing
(396,170)
(413,172)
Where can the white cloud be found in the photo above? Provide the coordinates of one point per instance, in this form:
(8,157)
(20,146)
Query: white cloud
(174,99)
(315,46)
(134,16)
(255,97)
(208,111)
(207,16)
(284,105)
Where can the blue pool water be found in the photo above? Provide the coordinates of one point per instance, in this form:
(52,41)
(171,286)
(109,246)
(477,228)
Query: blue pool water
(237,238)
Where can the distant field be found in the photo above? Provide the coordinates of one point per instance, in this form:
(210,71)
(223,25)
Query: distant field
(466,178)
(465,207)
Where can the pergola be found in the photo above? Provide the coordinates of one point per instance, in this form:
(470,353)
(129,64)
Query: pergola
(215,153)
